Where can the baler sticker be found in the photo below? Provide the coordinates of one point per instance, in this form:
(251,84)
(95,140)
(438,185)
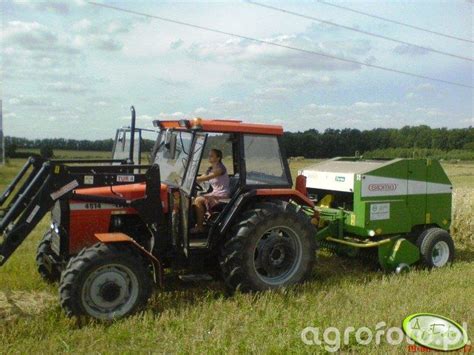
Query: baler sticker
(125,178)
(64,190)
(382,187)
(385,186)
(379,211)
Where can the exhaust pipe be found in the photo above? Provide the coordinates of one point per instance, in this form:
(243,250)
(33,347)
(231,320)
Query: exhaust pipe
(132,136)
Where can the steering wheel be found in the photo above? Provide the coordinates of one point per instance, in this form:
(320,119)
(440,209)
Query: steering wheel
(202,186)
(199,187)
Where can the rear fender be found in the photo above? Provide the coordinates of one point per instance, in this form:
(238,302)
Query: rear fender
(295,195)
(239,202)
(122,238)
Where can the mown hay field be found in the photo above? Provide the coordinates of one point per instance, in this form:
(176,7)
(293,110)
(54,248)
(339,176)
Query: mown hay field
(201,318)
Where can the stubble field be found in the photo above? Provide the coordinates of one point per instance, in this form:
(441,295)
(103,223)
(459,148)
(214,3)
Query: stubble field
(201,318)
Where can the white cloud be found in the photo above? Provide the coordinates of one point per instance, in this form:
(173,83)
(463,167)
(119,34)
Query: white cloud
(360,115)
(426,87)
(9,115)
(246,51)
(404,49)
(298,80)
(101,103)
(34,36)
(31,101)
(362,104)
(59,7)
(173,116)
(272,93)
(67,87)
(201,111)
(82,26)
(431,112)
(176,44)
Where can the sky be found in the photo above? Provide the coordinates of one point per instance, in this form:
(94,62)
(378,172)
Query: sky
(70,69)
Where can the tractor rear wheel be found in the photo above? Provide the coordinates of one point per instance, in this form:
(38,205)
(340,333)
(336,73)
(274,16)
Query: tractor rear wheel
(436,248)
(51,272)
(105,282)
(272,246)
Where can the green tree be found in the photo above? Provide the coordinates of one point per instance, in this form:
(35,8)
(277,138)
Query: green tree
(46,151)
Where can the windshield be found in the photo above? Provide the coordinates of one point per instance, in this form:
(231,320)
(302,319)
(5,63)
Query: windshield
(172,166)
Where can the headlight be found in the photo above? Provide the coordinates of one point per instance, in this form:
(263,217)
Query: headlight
(117,222)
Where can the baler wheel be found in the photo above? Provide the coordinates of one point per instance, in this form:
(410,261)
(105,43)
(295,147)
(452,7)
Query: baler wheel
(436,248)
(271,246)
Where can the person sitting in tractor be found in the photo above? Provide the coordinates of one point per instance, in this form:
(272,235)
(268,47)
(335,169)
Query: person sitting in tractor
(218,178)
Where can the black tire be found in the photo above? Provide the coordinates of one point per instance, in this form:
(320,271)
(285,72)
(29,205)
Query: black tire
(260,248)
(436,248)
(44,250)
(120,266)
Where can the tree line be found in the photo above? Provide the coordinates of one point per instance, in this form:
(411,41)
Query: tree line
(346,142)
(310,143)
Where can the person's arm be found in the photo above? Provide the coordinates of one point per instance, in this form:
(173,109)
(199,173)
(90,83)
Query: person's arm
(213,174)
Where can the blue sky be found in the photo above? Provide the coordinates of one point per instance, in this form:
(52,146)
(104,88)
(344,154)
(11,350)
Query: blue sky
(72,70)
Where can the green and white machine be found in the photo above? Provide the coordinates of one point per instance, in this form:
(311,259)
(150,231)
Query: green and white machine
(399,208)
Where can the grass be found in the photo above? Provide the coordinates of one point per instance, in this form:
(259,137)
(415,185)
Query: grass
(201,318)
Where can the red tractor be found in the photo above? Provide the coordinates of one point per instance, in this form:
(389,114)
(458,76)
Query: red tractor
(116,228)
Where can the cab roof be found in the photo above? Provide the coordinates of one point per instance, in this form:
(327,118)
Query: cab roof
(220,126)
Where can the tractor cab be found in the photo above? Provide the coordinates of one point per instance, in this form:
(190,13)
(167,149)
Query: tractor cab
(252,155)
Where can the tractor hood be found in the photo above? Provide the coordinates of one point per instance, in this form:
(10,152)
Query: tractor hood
(128,192)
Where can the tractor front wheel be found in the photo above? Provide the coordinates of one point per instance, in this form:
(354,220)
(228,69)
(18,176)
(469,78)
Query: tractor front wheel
(271,246)
(105,282)
(436,248)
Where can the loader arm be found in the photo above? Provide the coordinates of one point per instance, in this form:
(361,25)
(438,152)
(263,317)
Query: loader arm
(53,181)
(33,162)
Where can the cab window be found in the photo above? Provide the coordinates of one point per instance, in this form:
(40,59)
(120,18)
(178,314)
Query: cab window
(263,161)
(223,142)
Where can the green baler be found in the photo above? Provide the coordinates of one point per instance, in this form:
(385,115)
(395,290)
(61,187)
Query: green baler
(398,210)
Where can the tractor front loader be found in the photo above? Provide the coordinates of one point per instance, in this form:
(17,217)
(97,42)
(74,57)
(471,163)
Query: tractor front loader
(40,182)
(52,181)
